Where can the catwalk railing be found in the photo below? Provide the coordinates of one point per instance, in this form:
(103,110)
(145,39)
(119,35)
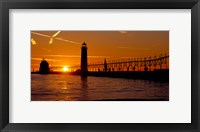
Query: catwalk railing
(129,64)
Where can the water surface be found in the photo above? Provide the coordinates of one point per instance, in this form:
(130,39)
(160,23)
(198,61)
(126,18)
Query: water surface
(58,87)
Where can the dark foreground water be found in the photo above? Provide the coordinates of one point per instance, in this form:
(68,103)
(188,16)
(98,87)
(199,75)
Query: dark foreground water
(72,88)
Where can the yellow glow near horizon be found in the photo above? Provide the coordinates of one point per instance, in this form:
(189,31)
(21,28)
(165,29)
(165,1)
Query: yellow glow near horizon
(65,69)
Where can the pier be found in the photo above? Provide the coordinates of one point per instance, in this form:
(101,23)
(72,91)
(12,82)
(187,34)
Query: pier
(150,68)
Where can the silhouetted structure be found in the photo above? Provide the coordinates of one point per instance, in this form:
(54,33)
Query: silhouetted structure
(105,65)
(84,68)
(44,67)
(130,64)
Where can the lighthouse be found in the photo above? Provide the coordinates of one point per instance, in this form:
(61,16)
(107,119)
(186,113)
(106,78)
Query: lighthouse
(44,67)
(84,69)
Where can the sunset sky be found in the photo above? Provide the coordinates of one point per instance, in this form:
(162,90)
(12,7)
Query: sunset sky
(63,48)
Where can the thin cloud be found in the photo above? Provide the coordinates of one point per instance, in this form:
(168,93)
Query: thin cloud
(64,56)
(127,57)
(40,59)
(73,56)
(131,48)
(45,49)
(99,56)
(34,64)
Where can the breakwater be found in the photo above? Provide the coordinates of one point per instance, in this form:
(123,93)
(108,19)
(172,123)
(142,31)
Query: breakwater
(157,75)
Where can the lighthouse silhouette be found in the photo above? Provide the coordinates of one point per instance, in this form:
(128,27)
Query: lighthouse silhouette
(84,68)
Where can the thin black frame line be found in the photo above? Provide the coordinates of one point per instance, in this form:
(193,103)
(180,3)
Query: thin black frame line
(5,5)
(1,68)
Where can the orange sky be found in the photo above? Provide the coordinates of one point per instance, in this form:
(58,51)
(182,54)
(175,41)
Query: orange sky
(65,47)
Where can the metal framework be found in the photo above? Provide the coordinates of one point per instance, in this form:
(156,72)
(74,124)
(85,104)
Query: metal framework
(130,64)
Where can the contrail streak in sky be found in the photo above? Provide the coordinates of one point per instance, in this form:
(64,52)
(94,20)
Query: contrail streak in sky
(41,34)
(67,41)
(33,41)
(56,34)
(51,39)
(54,37)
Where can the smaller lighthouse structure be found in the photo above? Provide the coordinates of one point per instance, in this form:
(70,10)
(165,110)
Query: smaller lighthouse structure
(44,67)
(84,68)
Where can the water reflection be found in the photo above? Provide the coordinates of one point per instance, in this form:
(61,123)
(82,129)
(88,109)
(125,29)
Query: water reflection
(73,88)
(84,86)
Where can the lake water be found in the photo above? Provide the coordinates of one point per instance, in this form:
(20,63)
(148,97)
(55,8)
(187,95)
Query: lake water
(60,87)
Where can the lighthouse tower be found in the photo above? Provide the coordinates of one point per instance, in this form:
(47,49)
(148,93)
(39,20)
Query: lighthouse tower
(84,60)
